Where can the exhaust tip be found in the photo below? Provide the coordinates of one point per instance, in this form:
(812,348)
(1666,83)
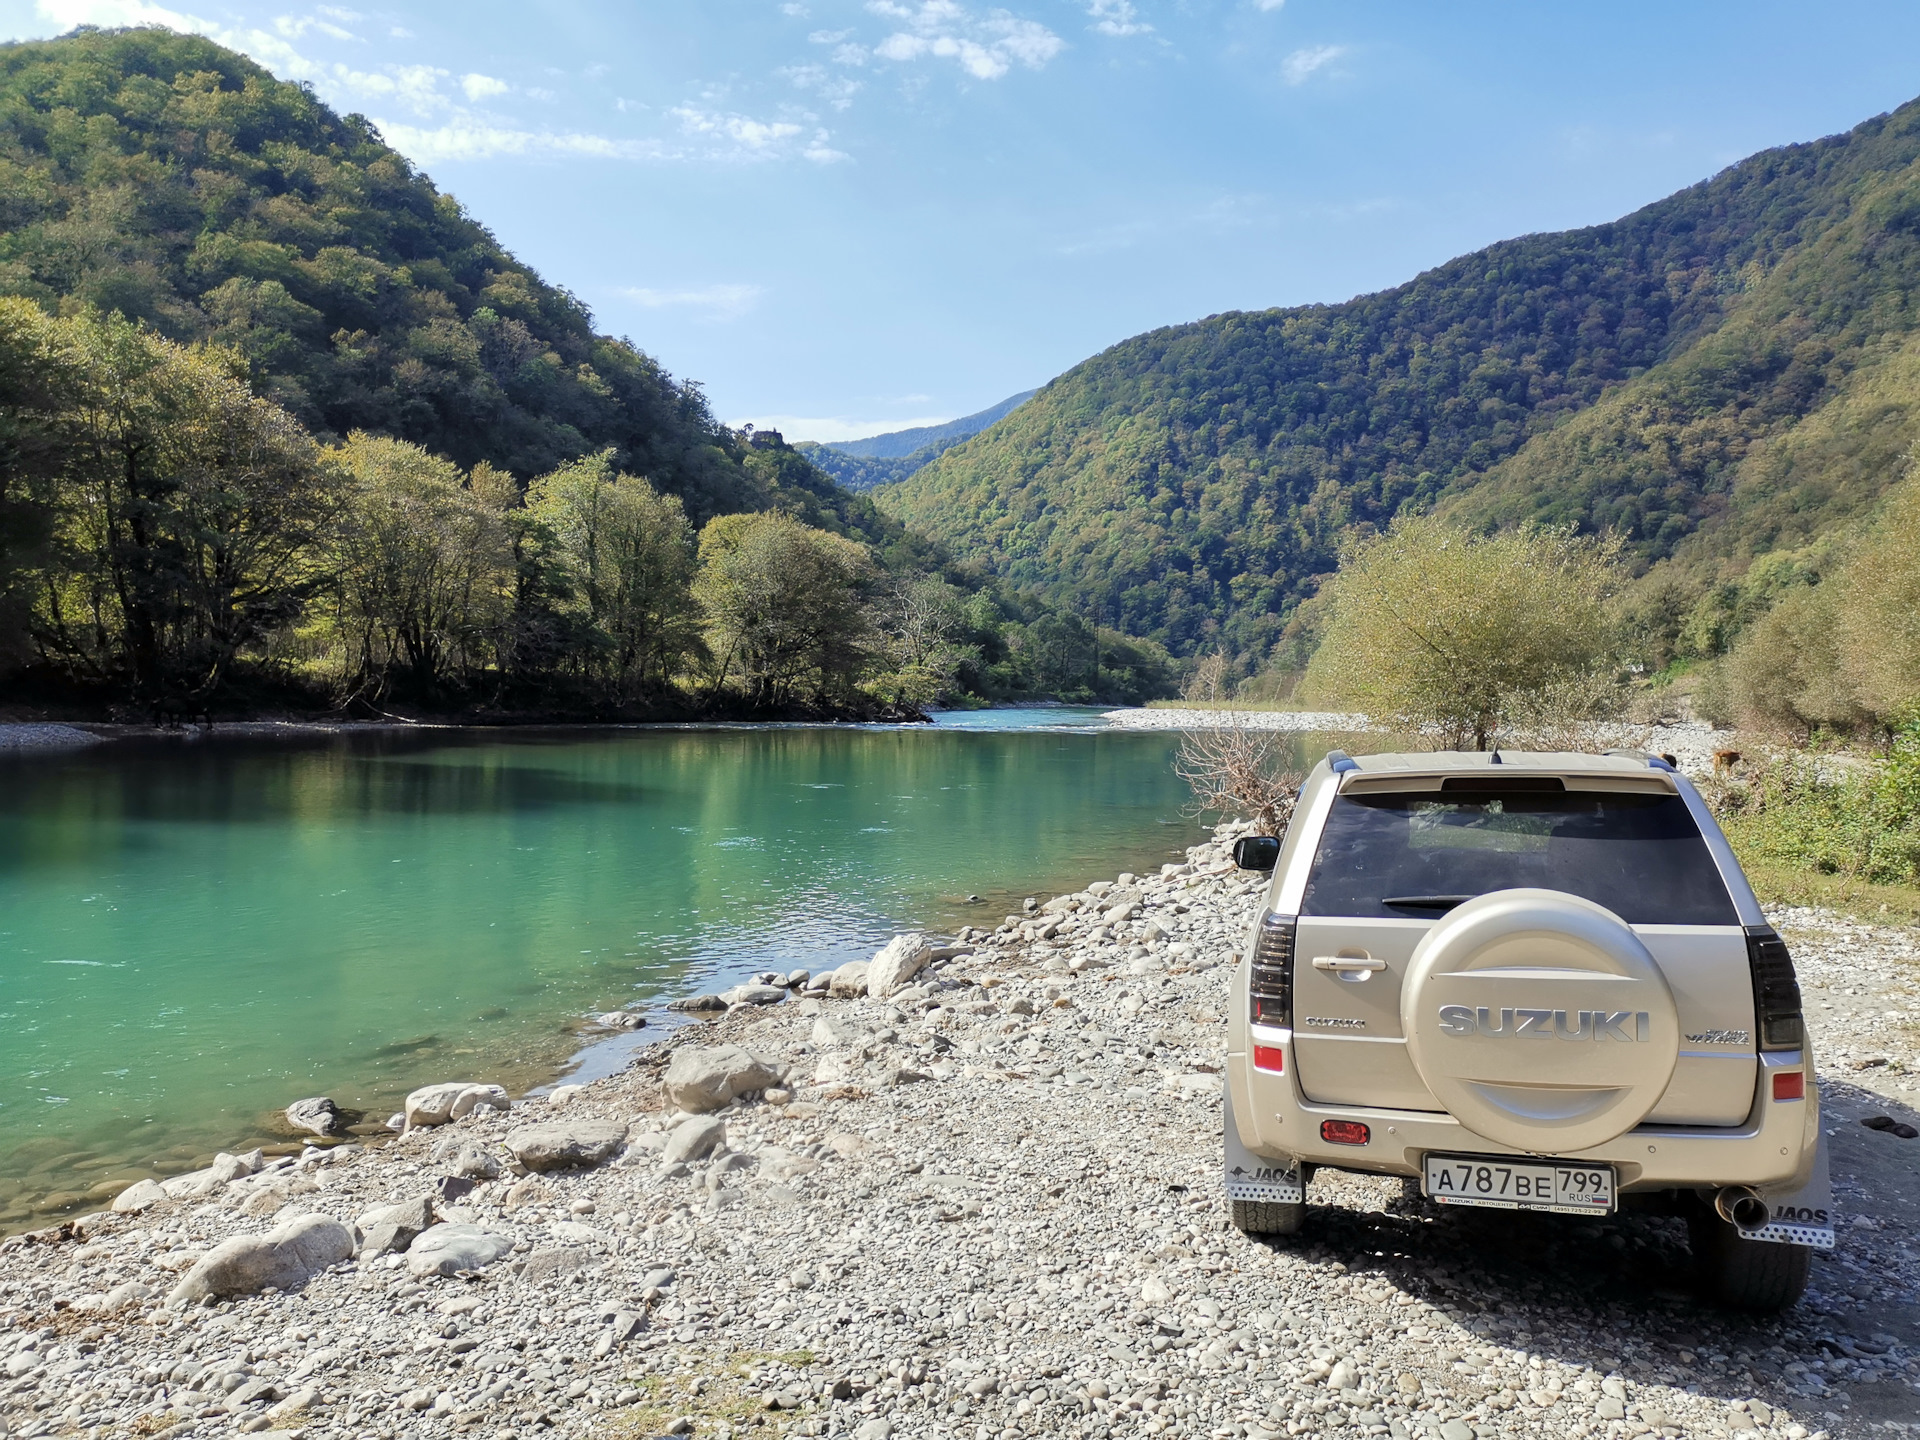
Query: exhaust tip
(1738,1205)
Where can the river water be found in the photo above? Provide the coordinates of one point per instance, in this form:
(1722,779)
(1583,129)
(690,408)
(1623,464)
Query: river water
(193,934)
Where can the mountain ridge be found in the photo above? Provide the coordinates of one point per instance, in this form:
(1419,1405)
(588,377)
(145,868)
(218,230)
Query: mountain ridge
(1191,483)
(882,459)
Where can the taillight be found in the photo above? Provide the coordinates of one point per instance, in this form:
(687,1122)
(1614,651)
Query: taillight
(1789,1084)
(1776,992)
(1270,986)
(1344,1132)
(1273,1058)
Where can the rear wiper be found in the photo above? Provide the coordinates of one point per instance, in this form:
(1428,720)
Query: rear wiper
(1426,902)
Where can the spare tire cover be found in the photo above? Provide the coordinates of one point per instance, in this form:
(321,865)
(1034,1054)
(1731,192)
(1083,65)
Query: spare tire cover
(1539,1020)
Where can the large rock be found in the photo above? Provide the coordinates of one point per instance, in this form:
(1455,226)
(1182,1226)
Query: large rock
(224,1170)
(318,1114)
(694,1139)
(452,1249)
(754,994)
(465,1157)
(283,1259)
(904,957)
(849,982)
(454,1100)
(706,1077)
(415,1215)
(566,1144)
(143,1195)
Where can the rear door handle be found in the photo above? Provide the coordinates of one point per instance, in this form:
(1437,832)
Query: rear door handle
(1347,962)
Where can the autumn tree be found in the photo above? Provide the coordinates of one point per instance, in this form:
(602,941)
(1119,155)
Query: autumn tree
(1431,628)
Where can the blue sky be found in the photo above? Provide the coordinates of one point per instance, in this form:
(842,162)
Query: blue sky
(844,216)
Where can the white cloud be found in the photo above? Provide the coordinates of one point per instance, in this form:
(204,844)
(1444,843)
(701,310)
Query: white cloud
(1266,5)
(798,12)
(1302,65)
(1117,17)
(751,137)
(829,429)
(837,90)
(471,138)
(986,47)
(483,87)
(718,302)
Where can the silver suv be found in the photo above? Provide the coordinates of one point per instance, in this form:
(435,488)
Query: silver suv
(1533,982)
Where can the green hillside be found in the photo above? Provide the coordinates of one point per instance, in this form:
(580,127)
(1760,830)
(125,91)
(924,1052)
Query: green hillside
(449,440)
(177,182)
(1729,371)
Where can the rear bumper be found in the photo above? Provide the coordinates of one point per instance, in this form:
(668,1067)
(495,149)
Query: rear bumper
(1775,1145)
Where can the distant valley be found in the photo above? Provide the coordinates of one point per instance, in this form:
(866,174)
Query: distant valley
(883,459)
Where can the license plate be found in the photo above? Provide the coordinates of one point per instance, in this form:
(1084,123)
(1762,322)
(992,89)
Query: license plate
(1507,1185)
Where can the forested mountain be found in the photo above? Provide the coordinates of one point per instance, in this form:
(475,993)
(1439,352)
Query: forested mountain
(882,459)
(281,424)
(1727,372)
(177,182)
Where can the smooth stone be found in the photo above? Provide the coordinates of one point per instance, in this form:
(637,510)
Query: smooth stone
(551,1262)
(754,995)
(566,1144)
(694,1140)
(284,1258)
(451,1249)
(453,1100)
(703,1078)
(142,1195)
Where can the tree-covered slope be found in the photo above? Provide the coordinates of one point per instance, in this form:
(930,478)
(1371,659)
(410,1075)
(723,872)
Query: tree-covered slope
(1672,376)
(177,182)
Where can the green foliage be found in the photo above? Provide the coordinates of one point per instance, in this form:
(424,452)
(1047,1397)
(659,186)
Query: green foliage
(1432,628)
(1840,649)
(176,514)
(444,488)
(176,182)
(623,557)
(1829,815)
(784,607)
(1728,372)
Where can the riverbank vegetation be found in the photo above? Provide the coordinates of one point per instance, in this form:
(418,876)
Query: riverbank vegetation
(173,542)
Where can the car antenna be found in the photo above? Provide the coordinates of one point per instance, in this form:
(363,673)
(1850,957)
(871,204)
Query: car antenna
(1494,758)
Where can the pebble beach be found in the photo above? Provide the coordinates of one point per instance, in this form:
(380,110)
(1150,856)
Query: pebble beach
(982,1204)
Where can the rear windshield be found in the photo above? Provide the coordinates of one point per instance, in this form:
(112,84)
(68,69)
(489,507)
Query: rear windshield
(1640,855)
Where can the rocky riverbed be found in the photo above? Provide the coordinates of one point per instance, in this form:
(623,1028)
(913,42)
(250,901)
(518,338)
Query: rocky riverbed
(984,1205)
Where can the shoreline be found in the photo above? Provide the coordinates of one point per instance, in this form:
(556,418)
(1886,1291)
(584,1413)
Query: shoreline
(987,1201)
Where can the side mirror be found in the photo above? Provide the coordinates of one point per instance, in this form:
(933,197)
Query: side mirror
(1256,852)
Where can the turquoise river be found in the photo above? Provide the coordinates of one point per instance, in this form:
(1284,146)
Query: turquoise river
(194,933)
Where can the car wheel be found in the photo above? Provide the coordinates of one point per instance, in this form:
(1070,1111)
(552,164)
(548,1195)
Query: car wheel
(1747,1274)
(1268,1217)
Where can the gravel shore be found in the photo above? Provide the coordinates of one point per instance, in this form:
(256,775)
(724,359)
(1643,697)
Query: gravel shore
(986,1207)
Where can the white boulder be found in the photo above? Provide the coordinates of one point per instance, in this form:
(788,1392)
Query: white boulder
(453,1100)
(904,957)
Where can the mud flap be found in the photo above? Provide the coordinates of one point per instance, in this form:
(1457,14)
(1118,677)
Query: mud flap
(1802,1215)
(1248,1177)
